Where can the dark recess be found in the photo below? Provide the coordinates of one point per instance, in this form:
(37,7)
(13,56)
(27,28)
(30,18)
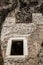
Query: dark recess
(42,44)
(17,48)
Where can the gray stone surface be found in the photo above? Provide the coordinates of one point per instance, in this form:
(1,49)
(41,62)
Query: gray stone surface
(37,18)
(11,29)
(32,31)
(34,35)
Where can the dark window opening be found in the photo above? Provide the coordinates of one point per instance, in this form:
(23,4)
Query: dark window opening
(17,47)
(42,44)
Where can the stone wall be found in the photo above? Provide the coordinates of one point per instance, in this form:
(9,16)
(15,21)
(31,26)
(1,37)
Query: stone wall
(38,18)
(31,32)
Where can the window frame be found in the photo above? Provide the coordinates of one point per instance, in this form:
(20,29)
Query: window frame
(25,48)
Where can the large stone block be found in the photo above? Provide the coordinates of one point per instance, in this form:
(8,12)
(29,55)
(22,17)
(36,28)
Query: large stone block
(37,18)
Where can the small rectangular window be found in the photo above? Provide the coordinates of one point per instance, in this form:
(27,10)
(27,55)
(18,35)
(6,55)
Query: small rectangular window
(17,47)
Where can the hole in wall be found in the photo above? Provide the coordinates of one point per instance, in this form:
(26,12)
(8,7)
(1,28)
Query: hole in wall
(17,47)
(42,44)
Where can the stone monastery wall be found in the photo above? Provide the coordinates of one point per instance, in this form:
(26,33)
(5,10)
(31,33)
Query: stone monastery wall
(33,32)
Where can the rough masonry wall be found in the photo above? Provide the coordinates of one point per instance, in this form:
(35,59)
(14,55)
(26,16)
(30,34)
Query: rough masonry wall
(38,18)
(34,34)
(31,32)
(11,29)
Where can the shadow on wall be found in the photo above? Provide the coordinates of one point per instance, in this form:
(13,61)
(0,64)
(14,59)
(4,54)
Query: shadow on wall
(4,12)
(1,58)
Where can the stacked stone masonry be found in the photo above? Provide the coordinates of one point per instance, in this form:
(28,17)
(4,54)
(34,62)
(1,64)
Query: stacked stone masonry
(34,35)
